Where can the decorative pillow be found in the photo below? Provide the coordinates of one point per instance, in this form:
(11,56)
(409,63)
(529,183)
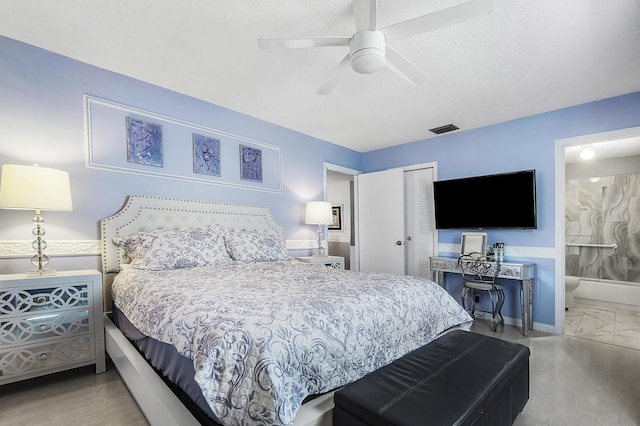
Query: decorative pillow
(175,248)
(254,246)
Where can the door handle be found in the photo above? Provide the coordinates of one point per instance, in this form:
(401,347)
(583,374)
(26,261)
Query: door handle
(399,242)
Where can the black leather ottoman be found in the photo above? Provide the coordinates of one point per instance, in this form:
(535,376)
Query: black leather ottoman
(461,378)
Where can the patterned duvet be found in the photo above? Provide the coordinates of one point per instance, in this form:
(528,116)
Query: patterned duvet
(263,336)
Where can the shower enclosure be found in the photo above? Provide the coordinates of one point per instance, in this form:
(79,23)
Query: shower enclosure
(602,235)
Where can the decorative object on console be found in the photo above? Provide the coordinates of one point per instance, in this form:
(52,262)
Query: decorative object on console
(473,242)
(498,252)
(319,213)
(35,188)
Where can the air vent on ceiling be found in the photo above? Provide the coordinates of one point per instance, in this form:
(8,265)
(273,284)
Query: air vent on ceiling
(444,129)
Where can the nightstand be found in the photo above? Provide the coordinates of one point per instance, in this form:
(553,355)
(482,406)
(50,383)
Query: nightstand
(336,262)
(50,324)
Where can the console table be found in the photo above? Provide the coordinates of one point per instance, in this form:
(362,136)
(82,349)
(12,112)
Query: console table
(525,273)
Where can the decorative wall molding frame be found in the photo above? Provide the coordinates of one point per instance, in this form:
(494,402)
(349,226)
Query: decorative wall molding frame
(102,153)
(524,252)
(20,249)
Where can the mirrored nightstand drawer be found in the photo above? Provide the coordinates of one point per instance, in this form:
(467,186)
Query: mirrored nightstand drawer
(44,325)
(26,359)
(59,296)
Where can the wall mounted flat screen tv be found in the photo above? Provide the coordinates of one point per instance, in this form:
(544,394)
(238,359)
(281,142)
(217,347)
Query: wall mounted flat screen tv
(500,201)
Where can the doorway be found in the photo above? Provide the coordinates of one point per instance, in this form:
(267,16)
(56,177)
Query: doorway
(593,239)
(340,192)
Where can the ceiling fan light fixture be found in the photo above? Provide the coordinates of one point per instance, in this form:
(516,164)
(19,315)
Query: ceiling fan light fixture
(367,61)
(367,51)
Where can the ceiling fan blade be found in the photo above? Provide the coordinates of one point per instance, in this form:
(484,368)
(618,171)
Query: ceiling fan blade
(404,68)
(335,76)
(364,12)
(301,43)
(436,20)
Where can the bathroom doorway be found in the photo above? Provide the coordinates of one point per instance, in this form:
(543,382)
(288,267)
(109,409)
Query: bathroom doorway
(601,207)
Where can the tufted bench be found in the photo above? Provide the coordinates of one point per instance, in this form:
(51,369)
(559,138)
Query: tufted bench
(461,378)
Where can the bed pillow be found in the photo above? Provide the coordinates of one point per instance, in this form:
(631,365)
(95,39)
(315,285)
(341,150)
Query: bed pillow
(254,246)
(175,248)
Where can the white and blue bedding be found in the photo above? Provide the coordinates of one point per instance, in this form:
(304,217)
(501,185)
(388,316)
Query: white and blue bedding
(265,335)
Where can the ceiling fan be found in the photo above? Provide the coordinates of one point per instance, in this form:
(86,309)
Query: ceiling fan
(369,49)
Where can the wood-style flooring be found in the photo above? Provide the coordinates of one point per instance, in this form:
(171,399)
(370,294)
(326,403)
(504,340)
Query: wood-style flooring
(573,382)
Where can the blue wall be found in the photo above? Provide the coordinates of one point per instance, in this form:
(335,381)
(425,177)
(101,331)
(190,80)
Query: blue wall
(41,121)
(527,143)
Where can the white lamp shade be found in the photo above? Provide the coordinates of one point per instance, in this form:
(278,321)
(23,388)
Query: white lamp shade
(34,188)
(318,213)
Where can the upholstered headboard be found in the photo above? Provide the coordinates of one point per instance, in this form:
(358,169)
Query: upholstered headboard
(142,213)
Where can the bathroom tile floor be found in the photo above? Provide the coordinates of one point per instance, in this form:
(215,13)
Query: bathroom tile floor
(607,325)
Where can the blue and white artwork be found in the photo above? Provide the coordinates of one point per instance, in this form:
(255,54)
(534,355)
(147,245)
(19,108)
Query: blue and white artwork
(250,163)
(144,142)
(206,155)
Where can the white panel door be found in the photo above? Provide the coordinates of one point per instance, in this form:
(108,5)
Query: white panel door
(381,221)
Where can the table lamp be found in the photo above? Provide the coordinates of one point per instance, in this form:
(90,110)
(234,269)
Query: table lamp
(319,213)
(35,188)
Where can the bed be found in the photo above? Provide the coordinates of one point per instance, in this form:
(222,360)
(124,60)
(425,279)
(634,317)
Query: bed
(213,322)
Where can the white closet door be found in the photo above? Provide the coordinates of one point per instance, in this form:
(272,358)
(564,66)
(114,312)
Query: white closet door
(381,221)
(419,221)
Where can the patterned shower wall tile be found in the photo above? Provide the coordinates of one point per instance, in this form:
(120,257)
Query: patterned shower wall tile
(573,235)
(572,201)
(590,221)
(608,211)
(572,265)
(615,268)
(614,203)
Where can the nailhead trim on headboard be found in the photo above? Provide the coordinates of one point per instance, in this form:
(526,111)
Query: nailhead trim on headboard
(142,213)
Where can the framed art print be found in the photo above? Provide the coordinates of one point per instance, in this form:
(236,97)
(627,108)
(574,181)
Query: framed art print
(206,155)
(250,163)
(144,142)
(336,213)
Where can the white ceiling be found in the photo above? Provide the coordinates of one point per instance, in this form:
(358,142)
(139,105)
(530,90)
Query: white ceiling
(528,57)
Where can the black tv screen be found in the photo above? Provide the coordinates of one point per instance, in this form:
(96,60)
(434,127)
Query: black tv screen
(500,201)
